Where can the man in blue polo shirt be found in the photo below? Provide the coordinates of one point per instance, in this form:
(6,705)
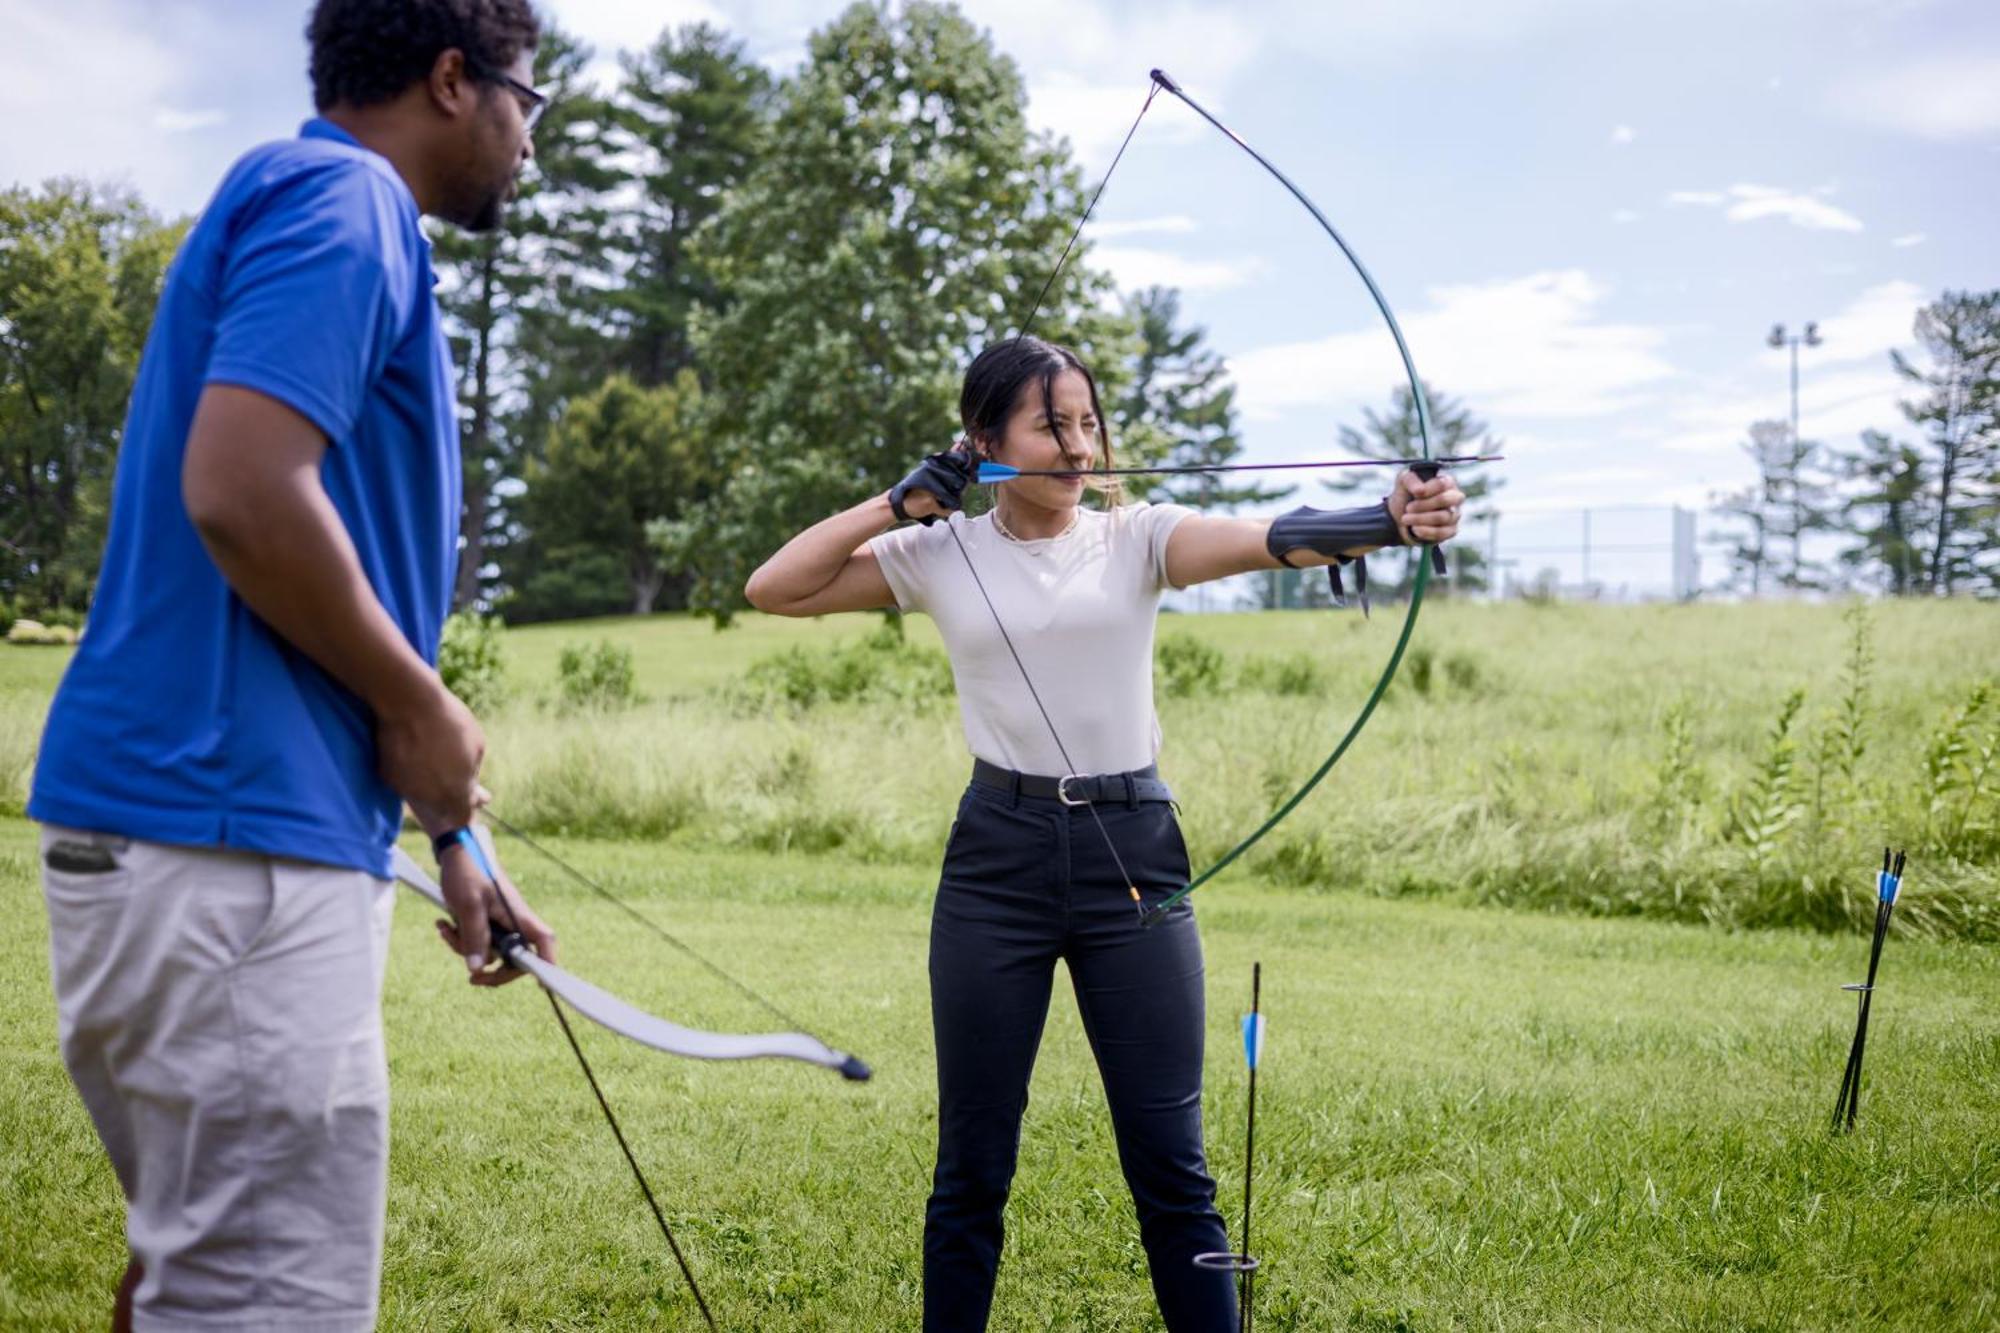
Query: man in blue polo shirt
(227,760)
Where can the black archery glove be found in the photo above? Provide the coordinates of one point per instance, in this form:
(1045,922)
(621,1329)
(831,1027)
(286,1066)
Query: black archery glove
(943,477)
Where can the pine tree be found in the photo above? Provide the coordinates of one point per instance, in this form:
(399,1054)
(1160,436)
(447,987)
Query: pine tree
(1884,515)
(900,219)
(1958,410)
(692,112)
(1179,408)
(517,305)
(1454,430)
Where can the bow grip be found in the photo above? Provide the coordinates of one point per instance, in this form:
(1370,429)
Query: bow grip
(1427,472)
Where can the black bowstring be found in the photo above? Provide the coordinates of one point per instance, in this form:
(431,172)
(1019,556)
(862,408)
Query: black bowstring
(1152,91)
(604,1105)
(686,950)
(1069,764)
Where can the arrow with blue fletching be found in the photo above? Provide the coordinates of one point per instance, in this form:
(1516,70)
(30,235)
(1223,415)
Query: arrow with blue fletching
(1888,885)
(991,473)
(1243,1264)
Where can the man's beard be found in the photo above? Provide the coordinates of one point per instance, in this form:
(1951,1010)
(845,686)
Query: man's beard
(479,213)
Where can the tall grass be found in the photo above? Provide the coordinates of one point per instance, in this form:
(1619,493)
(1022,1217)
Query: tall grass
(1735,765)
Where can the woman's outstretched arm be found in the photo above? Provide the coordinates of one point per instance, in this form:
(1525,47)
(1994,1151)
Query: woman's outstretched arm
(1204,547)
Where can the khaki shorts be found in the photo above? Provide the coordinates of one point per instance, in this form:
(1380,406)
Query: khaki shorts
(220,1013)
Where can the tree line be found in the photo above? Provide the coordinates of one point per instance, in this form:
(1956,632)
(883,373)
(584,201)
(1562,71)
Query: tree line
(727,303)
(1915,512)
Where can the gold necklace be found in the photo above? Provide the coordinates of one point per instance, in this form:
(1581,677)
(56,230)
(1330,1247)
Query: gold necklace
(1000,526)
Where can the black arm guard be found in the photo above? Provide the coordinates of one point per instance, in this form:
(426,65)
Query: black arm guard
(1332,532)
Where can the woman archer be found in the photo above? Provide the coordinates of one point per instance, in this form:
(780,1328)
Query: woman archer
(1047,610)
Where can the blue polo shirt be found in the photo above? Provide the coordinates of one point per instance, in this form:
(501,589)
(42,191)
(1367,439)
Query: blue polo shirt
(183,718)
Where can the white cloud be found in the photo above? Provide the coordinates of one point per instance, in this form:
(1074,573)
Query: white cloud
(1943,97)
(1846,384)
(1178,224)
(1750,203)
(88,89)
(1136,266)
(1517,347)
(1913,238)
(1865,329)
(1622,135)
(180,122)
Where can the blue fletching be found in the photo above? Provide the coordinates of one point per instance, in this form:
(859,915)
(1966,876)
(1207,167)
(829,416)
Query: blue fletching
(1892,888)
(1253,1039)
(990,472)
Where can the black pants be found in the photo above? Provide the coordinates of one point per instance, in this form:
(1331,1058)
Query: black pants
(1026,882)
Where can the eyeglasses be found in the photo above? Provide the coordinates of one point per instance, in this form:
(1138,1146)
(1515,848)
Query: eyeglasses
(532,103)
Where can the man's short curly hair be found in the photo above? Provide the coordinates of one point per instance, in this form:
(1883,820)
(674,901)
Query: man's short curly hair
(369,51)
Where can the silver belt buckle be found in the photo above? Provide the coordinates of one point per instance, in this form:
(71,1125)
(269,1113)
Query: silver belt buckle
(1062,788)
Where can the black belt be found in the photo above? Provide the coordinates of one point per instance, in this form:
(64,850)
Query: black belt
(1141,784)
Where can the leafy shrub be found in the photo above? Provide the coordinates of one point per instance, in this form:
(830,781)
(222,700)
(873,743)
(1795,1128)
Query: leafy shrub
(35,633)
(1187,667)
(884,667)
(1292,674)
(471,660)
(596,677)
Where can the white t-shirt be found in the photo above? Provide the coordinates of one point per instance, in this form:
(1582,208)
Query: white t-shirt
(1080,609)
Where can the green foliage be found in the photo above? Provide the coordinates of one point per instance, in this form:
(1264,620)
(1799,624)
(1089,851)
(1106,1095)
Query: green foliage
(596,677)
(622,458)
(472,661)
(1679,781)
(1180,407)
(1843,736)
(33,633)
(1185,666)
(691,111)
(1294,675)
(900,218)
(523,305)
(883,668)
(1956,404)
(1397,434)
(1770,803)
(80,273)
(1961,783)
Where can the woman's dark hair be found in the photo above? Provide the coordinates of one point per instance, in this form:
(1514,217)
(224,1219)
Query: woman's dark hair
(998,376)
(369,51)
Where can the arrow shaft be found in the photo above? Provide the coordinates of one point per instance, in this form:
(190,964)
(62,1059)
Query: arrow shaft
(1239,467)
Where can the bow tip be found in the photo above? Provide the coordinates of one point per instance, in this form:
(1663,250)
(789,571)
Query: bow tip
(854,1071)
(1162,78)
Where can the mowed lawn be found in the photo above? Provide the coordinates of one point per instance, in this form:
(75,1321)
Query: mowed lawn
(1470,1119)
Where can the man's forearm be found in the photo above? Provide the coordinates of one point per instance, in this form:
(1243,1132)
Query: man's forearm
(252,488)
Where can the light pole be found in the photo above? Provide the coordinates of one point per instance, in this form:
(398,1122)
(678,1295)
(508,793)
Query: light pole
(1809,338)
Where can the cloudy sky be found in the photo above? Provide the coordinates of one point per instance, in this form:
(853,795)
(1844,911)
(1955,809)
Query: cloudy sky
(1587,214)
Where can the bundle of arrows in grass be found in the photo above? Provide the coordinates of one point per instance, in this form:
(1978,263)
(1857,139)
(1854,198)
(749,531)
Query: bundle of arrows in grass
(1888,884)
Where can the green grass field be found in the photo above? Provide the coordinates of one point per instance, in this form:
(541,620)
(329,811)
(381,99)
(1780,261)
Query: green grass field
(1605,1108)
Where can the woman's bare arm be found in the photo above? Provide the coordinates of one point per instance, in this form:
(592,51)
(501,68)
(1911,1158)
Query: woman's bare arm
(828,567)
(1203,547)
